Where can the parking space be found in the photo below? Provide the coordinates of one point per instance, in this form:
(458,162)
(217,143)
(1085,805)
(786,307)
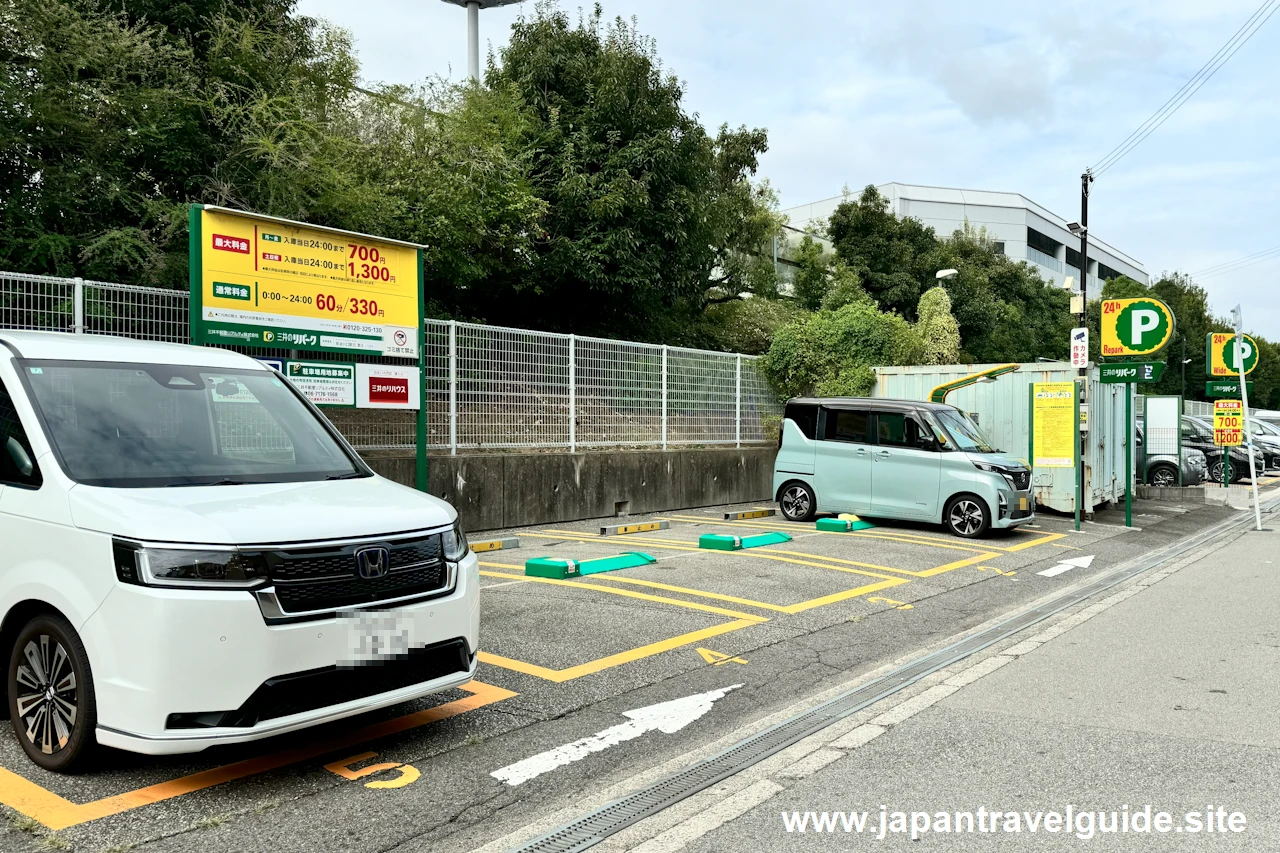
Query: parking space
(553,649)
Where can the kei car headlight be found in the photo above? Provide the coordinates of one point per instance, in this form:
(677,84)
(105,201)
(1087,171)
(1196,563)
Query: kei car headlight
(455,544)
(187,568)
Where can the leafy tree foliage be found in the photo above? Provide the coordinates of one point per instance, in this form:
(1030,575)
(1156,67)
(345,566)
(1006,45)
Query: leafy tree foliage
(644,207)
(832,351)
(938,330)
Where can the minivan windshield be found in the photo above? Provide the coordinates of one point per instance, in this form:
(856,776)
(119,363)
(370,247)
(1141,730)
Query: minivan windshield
(964,433)
(150,425)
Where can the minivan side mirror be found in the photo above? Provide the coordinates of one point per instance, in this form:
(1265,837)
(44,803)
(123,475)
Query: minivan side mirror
(21,460)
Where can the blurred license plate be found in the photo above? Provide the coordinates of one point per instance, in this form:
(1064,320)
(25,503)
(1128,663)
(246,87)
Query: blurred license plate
(1022,503)
(378,635)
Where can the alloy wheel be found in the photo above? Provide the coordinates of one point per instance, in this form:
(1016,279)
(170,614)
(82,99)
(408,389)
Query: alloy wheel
(795,502)
(966,517)
(1163,477)
(47,701)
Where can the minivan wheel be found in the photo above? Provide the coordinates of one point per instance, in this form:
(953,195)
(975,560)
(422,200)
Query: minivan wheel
(1163,475)
(967,516)
(798,502)
(1215,472)
(51,701)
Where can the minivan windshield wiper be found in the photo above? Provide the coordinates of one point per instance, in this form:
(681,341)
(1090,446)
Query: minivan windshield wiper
(209,483)
(353,475)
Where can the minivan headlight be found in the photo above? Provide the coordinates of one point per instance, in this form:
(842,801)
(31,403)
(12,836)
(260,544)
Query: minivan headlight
(187,568)
(455,544)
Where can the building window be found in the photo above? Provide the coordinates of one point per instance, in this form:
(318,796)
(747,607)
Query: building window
(998,247)
(1042,243)
(1106,273)
(1073,258)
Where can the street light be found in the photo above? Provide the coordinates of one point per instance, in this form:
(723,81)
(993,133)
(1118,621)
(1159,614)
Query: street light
(945,274)
(473,30)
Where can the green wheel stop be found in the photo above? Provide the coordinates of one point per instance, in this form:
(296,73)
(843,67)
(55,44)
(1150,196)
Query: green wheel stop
(560,569)
(725,542)
(842,525)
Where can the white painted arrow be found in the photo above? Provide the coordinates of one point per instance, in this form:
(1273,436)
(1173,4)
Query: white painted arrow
(666,717)
(1067,565)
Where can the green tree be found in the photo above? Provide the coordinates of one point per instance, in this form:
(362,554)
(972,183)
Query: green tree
(746,325)
(812,274)
(836,349)
(937,329)
(893,257)
(644,207)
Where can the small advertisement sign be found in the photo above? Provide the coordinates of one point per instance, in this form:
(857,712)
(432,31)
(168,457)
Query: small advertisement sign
(387,386)
(325,383)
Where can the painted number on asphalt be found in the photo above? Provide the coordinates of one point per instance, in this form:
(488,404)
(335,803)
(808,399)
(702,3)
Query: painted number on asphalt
(408,773)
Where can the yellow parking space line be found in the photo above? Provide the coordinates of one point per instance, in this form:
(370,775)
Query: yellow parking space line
(627,593)
(56,812)
(757,553)
(885,532)
(799,607)
(738,621)
(560,676)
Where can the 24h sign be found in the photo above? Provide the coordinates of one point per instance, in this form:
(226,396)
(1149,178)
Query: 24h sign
(1130,327)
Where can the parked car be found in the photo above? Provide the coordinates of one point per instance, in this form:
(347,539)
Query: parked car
(193,556)
(1162,469)
(897,459)
(1198,433)
(1266,437)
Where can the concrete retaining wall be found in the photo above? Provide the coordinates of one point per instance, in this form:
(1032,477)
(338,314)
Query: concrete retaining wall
(495,491)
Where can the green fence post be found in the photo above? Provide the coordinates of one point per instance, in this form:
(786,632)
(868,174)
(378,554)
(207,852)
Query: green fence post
(421,431)
(1079,459)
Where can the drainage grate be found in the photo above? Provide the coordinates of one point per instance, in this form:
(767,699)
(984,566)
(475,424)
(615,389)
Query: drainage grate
(594,827)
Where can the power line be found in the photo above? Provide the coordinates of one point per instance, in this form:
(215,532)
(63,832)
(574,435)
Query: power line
(1160,116)
(1238,264)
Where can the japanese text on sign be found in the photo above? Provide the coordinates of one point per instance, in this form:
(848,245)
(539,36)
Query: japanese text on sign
(261,281)
(1228,423)
(1054,428)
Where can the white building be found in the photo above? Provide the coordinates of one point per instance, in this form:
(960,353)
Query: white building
(1020,228)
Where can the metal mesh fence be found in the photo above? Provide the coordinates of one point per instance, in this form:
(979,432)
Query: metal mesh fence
(484,387)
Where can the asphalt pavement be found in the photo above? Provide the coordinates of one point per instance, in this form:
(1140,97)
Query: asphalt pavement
(1160,698)
(593,682)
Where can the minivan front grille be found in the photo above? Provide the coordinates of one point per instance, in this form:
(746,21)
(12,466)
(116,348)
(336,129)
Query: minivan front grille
(300,692)
(1021,480)
(327,577)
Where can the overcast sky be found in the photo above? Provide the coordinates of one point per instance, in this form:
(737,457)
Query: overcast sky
(985,94)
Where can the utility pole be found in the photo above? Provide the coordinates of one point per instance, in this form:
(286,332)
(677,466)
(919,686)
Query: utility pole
(473,8)
(1085,180)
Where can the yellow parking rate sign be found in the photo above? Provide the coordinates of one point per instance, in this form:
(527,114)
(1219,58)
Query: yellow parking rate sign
(1228,423)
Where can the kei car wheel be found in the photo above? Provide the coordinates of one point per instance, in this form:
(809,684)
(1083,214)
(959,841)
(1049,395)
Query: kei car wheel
(51,700)
(1163,475)
(967,516)
(798,502)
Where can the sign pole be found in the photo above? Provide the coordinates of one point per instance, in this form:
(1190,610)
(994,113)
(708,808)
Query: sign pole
(421,471)
(1244,405)
(1128,455)
(1079,457)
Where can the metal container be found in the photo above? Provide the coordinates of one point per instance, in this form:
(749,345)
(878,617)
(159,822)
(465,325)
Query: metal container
(1002,409)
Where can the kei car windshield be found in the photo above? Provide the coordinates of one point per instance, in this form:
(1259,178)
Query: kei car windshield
(150,425)
(963,432)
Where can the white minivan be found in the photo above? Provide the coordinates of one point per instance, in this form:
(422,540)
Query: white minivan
(192,555)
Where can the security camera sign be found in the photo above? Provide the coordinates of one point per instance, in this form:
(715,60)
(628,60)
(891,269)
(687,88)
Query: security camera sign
(1223,355)
(1080,347)
(1141,326)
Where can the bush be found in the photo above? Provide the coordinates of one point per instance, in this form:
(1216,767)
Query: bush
(836,349)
